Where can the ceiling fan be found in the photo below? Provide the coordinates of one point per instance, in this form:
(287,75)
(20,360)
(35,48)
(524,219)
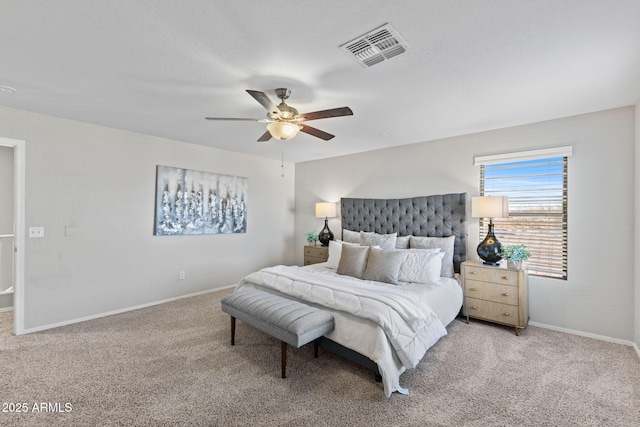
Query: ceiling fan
(284,121)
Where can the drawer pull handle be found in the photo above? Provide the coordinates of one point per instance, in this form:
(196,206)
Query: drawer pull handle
(473,289)
(506,314)
(505,278)
(505,294)
(474,308)
(472,272)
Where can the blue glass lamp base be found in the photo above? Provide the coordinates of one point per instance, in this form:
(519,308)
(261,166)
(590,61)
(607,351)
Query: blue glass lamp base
(489,248)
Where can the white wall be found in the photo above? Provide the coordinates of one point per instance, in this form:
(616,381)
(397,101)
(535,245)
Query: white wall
(598,297)
(93,188)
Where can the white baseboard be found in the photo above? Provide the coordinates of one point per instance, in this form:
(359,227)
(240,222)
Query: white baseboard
(119,311)
(2,310)
(588,335)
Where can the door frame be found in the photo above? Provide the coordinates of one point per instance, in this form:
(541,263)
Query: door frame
(19,240)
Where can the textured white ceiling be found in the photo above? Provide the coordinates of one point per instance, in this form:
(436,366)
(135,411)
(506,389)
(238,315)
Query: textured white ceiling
(160,66)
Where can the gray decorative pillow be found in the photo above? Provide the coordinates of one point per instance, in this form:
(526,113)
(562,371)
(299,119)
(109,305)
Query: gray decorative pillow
(444,243)
(383,266)
(335,252)
(353,261)
(402,242)
(350,236)
(385,241)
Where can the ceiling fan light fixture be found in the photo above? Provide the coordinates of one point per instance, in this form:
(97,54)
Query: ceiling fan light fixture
(283,120)
(283,130)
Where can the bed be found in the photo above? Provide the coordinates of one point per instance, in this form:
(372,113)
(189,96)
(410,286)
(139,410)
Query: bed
(385,319)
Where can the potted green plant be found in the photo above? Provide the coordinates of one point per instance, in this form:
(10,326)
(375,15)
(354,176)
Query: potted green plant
(312,237)
(515,255)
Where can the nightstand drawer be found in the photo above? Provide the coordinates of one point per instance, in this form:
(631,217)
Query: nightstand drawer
(495,312)
(495,275)
(495,292)
(315,254)
(317,251)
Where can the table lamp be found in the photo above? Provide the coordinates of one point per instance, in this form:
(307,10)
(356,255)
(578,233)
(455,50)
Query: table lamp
(490,207)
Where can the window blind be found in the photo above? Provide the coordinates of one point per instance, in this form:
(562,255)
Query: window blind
(537,191)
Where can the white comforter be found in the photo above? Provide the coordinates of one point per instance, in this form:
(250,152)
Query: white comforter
(406,318)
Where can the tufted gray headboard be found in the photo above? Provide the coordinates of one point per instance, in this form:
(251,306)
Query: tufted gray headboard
(434,216)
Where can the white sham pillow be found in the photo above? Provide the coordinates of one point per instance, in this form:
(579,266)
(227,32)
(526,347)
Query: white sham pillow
(350,236)
(402,242)
(385,241)
(421,266)
(445,244)
(335,250)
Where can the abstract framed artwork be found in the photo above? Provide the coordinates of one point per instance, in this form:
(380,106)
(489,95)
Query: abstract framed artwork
(192,202)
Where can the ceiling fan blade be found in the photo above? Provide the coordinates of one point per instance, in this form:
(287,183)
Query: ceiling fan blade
(265,137)
(264,100)
(333,112)
(233,118)
(316,132)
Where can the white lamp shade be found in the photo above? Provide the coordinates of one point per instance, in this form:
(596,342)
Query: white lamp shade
(490,207)
(283,130)
(325,210)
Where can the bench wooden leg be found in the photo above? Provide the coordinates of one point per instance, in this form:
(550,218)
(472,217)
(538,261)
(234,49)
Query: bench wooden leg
(233,330)
(284,359)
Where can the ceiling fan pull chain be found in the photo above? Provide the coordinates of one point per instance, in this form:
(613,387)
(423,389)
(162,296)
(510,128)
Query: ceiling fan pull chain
(282,158)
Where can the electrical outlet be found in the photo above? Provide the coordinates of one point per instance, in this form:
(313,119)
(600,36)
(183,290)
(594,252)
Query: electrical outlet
(181,275)
(36,232)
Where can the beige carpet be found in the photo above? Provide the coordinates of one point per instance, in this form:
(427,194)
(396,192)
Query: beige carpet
(172,365)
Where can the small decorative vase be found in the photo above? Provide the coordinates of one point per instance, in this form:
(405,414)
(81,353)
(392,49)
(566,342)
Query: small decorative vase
(516,265)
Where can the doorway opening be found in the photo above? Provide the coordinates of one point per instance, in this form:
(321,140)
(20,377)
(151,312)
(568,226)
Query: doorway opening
(17,239)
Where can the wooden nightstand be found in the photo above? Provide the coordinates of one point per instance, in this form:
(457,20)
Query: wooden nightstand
(496,294)
(315,254)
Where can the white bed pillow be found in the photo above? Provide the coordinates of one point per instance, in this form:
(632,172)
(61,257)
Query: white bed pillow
(444,243)
(402,242)
(383,265)
(335,251)
(350,236)
(385,241)
(353,261)
(421,266)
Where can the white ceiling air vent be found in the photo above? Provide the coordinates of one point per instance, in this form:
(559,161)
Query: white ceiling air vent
(374,47)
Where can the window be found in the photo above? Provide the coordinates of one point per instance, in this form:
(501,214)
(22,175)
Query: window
(536,184)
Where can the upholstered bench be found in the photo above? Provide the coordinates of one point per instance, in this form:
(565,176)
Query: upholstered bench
(291,322)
